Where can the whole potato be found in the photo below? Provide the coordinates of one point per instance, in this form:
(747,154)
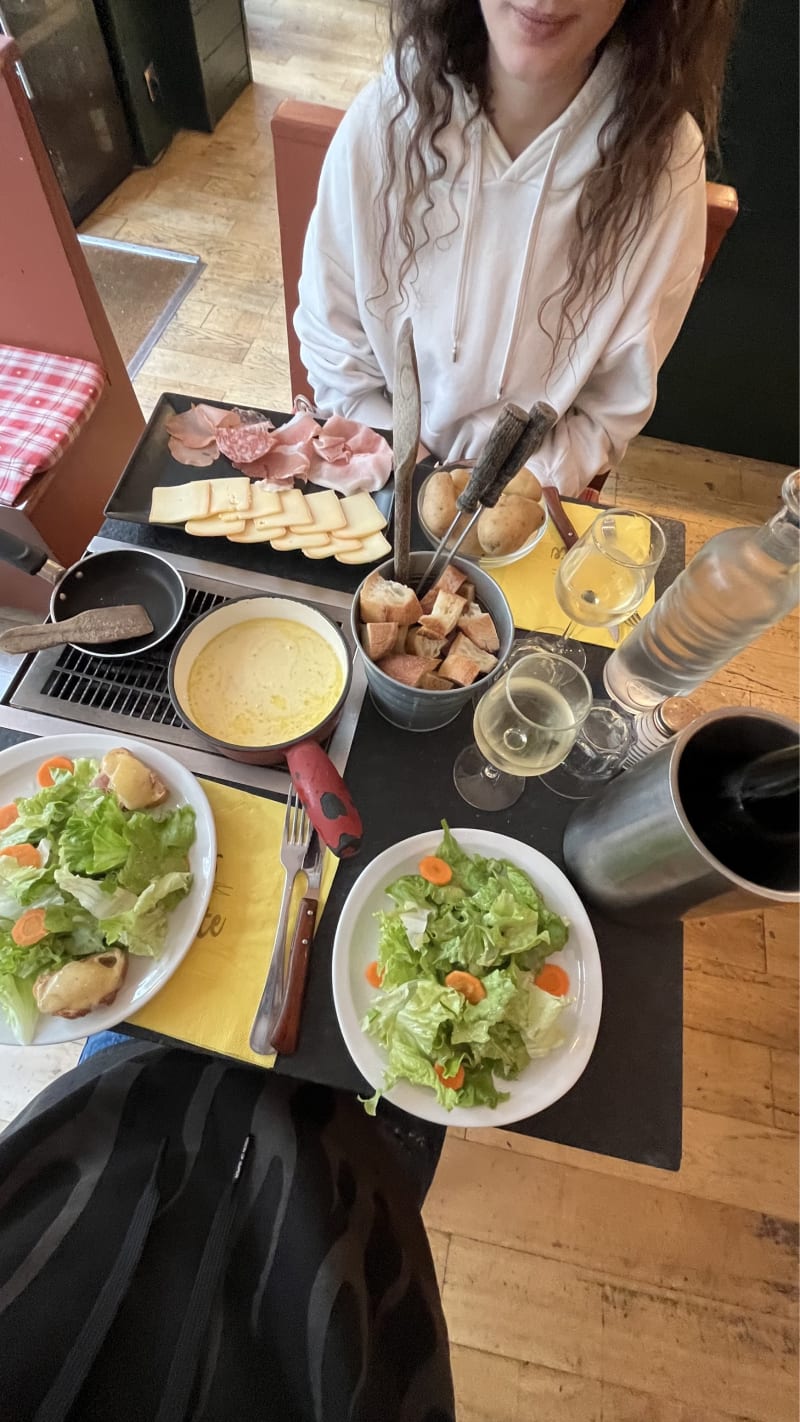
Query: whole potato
(460,478)
(439,503)
(526,484)
(508,525)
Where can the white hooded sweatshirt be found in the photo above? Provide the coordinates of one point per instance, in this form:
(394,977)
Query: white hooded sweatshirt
(500,234)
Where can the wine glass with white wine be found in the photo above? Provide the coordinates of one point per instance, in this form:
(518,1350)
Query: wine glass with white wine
(524,725)
(603,578)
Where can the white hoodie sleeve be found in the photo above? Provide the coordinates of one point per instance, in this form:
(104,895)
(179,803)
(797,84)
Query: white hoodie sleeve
(619,395)
(342,367)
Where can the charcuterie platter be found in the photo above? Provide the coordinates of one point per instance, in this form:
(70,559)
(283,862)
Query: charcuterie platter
(180,446)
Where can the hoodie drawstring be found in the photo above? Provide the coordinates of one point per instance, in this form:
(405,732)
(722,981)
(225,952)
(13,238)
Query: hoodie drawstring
(475,176)
(530,248)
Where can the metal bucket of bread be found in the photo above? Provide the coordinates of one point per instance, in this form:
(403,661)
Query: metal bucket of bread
(427,658)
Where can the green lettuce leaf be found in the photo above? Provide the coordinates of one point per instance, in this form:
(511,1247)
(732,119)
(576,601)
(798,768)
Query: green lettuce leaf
(48,810)
(27,962)
(142,929)
(95,841)
(99,898)
(22,888)
(18,1006)
(158,844)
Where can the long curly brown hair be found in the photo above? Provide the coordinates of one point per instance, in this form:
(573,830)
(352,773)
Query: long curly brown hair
(672,61)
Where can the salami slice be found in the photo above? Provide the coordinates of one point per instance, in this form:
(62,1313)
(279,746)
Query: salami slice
(247,443)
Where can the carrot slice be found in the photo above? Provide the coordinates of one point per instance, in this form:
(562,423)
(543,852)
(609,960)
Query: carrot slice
(553,979)
(454,1082)
(8,814)
(30,928)
(373,974)
(469,986)
(435,870)
(57,762)
(26,855)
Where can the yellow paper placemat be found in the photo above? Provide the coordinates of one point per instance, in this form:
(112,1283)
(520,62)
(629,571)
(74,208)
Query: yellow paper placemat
(211,1000)
(528,584)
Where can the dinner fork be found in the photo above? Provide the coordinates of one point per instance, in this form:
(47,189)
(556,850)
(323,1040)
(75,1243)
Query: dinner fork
(294,843)
(629,623)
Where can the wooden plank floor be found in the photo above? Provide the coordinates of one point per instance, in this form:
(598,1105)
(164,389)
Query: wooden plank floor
(576,1288)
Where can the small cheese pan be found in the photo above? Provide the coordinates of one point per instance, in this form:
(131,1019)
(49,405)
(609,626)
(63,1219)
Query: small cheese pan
(113,579)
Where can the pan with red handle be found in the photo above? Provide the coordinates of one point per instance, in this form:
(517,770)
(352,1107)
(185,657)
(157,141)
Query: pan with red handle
(319,784)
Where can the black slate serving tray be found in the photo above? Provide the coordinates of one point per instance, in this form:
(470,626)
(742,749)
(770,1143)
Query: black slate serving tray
(152,466)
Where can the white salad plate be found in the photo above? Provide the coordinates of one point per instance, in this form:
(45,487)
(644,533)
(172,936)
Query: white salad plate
(547,1078)
(145,976)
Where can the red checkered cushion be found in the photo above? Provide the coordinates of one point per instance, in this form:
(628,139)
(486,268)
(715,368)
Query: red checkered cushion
(44,401)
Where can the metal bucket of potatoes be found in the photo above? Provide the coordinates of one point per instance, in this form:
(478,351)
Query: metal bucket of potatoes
(503,534)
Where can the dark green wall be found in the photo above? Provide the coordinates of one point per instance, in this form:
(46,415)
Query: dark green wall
(731,380)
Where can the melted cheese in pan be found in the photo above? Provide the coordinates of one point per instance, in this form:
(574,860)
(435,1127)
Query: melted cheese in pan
(264,682)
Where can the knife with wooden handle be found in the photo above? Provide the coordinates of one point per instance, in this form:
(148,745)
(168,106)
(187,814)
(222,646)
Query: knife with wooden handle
(287,1024)
(561,519)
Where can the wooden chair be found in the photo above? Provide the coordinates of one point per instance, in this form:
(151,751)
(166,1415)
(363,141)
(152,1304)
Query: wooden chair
(301,134)
(48,302)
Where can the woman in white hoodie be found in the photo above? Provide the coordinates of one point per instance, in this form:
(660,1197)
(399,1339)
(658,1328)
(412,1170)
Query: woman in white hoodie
(526,181)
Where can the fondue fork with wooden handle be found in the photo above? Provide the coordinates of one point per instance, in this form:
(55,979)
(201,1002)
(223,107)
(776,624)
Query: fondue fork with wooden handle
(295,842)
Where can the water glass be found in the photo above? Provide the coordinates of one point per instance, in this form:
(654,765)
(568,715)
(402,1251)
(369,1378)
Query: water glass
(596,755)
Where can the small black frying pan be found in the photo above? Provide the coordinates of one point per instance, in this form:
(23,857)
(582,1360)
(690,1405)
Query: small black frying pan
(123,575)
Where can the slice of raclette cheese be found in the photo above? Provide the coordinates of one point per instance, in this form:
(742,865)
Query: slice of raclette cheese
(230,496)
(362,515)
(333,546)
(326,511)
(252,534)
(294,506)
(292,542)
(265,503)
(213,527)
(370,550)
(181,501)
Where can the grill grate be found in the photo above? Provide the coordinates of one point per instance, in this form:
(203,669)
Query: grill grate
(136,686)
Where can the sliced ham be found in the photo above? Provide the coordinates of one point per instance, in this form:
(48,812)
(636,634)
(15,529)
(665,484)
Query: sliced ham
(193,428)
(197,458)
(331,449)
(298,432)
(217,418)
(279,468)
(285,465)
(362,460)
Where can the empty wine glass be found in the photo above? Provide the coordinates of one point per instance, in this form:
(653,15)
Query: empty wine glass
(603,577)
(597,754)
(524,725)
(549,639)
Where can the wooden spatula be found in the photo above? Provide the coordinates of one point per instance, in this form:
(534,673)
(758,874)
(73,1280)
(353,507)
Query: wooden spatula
(92,628)
(405,441)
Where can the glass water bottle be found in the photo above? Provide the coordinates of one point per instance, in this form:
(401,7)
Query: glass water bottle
(740,583)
